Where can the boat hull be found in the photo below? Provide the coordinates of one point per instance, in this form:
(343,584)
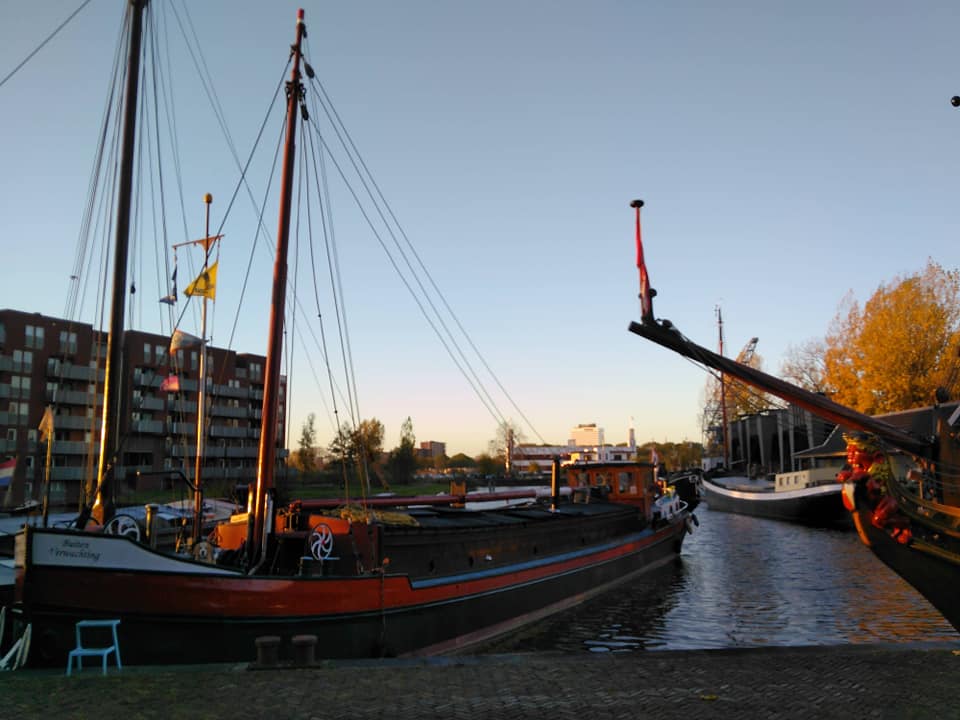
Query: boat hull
(933,574)
(820,506)
(181,612)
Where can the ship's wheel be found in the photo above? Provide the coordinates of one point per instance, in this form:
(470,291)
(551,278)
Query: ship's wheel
(321,542)
(124,526)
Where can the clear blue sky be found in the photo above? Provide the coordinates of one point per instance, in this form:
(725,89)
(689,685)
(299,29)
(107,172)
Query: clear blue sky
(787,152)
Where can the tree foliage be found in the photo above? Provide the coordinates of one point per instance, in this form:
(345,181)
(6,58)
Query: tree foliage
(402,460)
(900,347)
(359,449)
(304,458)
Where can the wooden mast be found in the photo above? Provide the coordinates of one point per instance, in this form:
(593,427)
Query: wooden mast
(109,429)
(266,456)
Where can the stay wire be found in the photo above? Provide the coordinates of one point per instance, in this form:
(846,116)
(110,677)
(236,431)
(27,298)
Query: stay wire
(337,122)
(491,407)
(43,43)
(336,283)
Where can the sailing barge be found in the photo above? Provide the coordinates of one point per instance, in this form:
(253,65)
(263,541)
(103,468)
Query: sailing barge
(390,578)
(899,484)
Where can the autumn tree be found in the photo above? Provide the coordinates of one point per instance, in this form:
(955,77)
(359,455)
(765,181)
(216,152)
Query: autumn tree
(896,351)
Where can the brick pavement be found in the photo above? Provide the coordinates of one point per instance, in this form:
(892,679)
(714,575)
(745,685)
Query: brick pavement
(890,681)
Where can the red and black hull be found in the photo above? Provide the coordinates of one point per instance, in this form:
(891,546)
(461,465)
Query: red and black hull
(931,570)
(169,616)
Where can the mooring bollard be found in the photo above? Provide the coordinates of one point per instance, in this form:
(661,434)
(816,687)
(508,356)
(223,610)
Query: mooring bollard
(268,650)
(304,649)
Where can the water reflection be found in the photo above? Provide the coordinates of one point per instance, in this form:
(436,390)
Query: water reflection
(746,582)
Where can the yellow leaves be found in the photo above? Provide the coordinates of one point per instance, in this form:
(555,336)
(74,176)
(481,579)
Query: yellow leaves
(894,353)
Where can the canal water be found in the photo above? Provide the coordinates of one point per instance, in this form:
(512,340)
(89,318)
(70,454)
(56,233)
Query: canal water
(743,582)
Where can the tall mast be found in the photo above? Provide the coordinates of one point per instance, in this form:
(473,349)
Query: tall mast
(723,396)
(201,389)
(266,456)
(109,429)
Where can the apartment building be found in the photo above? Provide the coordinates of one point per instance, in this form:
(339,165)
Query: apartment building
(47,361)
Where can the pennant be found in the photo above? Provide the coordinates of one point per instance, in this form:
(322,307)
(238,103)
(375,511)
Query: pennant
(6,472)
(171,299)
(181,339)
(646,294)
(171,383)
(205,285)
(46,424)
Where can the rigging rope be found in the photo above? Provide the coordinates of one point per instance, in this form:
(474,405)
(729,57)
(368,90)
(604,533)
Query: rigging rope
(43,43)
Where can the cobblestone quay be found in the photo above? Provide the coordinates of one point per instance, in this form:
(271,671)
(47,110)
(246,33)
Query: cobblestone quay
(869,681)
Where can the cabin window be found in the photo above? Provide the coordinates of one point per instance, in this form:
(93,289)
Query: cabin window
(623,482)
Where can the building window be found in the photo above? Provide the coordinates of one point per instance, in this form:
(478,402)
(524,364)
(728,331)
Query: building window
(32,435)
(147,353)
(22,361)
(12,434)
(194,359)
(20,386)
(161,353)
(3,333)
(34,337)
(18,409)
(68,342)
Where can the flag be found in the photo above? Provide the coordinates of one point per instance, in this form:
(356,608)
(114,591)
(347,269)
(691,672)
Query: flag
(172,297)
(46,424)
(654,458)
(646,294)
(205,285)
(6,472)
(181,339)
(171,383)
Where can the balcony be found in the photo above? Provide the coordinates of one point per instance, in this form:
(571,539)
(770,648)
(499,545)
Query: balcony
(181,428)
(230,412)
(152,427)
(152,403)
(72,397)
(68,371)
(224,431)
